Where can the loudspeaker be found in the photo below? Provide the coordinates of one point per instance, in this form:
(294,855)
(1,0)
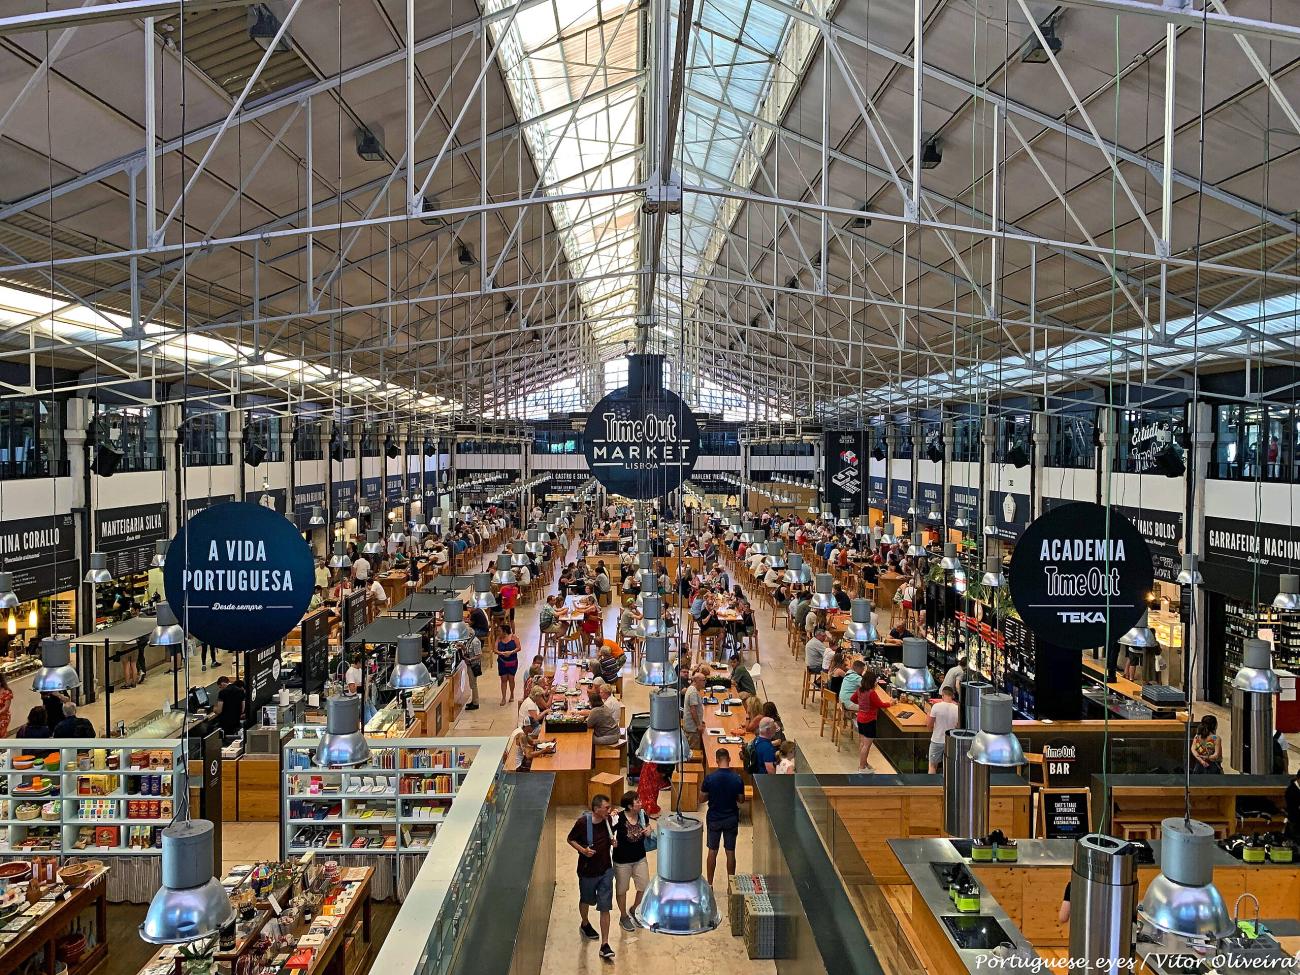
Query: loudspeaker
(105,459)
(254,454)
(429,449)
(391,450)
(1168,463)
(1017,456)
(336,449)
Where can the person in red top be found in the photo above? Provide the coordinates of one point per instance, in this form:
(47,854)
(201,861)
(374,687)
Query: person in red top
(509,598)
(870,697)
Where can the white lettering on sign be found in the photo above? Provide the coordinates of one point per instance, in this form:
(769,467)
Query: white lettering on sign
(130,526)
(1079,617)
(1095,582)
(26,541)
(1082,550)
(650,427)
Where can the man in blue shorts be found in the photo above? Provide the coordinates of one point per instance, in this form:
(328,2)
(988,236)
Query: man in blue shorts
(724,791)
(593,837)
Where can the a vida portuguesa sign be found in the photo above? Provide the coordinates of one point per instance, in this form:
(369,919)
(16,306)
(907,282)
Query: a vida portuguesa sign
(1080,575)
(239,576)
(641,441)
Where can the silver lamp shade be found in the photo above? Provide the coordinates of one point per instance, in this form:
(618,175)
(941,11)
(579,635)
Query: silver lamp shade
(374,545)
(435,516)
(1190,575)
(649,587)
(776,555)
(993,577)
(167,632)
(418,527)
(844,520)
(518,557)
(340,559)
(994,743)
(317,519)
(1182,899)
(664,743)
(863,525)
(1256,674)
(409,672)
(503,575)
(760,543)
(652,618)
(57,672)
(643,560)
(826,515)
(454,629)
(950,561)
(363,508)
(343,514)
(98,573)
(534,543)
(961,520)
(860,628)
(914,676)
(1141,637)
(797,573)
(678,901)
(823,597)
(8,598)
(935,513)
(159,554)
(656,669)
(397,536)
(917,549)
(191,904)
(343,743)
(990,527)
(812,508)
(887,537)
(1288,593)
(483,597)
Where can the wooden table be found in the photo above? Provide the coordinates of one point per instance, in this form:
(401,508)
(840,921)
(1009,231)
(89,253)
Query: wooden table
(574,758)
(41,935)
(732,724)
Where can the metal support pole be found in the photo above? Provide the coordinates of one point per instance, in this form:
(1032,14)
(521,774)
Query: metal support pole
(310,291)
(918,74)
(413,205)
(1163,246)
(150,141)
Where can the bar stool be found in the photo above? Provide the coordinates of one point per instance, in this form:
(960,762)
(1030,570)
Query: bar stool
(810,686)
(829,705)
(550,645)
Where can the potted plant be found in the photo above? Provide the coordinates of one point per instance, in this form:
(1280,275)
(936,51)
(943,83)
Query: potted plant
(196,957)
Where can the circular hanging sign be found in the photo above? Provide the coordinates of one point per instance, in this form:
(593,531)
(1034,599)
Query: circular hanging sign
(1080,576)
(641,442)
(238,576)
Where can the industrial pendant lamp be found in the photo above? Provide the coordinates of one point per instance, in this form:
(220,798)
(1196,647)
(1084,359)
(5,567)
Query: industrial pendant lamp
(1182,899)
(8,598)
(1288,593)
(776,555)
(962,519)
(397,536)
(453,628)
(519,554)
(678,900)
(167,632)
(917,549)
(656,669)
(862,525)
(1190,574)
(159,559)
(990,527)
(797,573)
(914,676)
(535,545)
(652,622)
(344,743)
(340,558)
(950,562)
(887,537)
(418,527)
(483,597)
(860,628)
(993,577)
(191,904)
(1141,636)
(435,517)
(409,672)
(317,519)
(995,744)
(664,743)
(363,508)
(824,596)
(649,587)
(503,576)
(98,574)
(844,521)
(57,672)
(343,514)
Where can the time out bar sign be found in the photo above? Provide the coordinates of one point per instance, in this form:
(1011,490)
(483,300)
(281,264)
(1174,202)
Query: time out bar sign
(1080,575)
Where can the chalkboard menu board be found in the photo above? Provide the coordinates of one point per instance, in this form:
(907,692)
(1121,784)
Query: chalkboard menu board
(354,612)
(1066,813)
(262,674)
(315,651)
(42,555)
(127,536)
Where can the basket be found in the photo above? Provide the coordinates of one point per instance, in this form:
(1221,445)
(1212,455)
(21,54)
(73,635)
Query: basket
(27,812)
(76,874)
(50,812)
(70,948)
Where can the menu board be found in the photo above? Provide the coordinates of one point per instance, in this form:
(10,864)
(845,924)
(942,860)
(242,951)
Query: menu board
(262,673)
(1066,813)
(42,555)
(127,536)
(315,651)
(354,612)
(63,618)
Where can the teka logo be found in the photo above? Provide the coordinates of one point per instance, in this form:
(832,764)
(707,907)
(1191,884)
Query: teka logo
(1082,617)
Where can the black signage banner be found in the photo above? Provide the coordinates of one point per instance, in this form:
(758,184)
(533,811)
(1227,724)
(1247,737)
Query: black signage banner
(713,482)
(1163,531)
(343,494)
(127,536)
(306,497)
(929,497)
(413,487)
(1065,813)
(900,496)
(273,499)
(877,490)
(371,488)
(354,612)
(1062,764)
(1080,576)
(1239,551)
(1147,440)
(642,441)
(315,651)
(393,488)
(1011,513)
(844,453)
(42,555)
(964,501)
(262,674)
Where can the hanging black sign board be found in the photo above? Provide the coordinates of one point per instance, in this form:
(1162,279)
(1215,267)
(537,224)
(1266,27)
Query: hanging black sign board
(262,674)
(1067,813)
(354,612)
(1080,575)
(845,453)
(1163,531)
(641,441)
(315,651)
(42,555)
(1062,764)
(127,536)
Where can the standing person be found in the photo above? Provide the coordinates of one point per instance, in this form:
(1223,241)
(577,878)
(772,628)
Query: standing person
(630,833)
(593,837)
(724,790)
(693,718)
(955,675)
(785,758)
(943,717)
(471,651)
(870,698)
(507,661)
(1291,800)
(1207,747)
(6,704)
(232,700)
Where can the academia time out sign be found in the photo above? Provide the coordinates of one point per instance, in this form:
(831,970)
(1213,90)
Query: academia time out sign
(239,576)
(1080,575)
(641,441)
